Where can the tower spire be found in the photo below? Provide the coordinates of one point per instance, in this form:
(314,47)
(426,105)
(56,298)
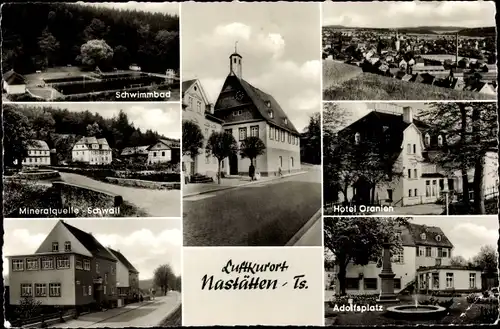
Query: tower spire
(236,47)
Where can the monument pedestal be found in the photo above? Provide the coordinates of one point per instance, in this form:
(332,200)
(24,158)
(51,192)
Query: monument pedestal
(387,294)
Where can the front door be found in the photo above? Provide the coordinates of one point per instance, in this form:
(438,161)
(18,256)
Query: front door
(233,164)
(389,195)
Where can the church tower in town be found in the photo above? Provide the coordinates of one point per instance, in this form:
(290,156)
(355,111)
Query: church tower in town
(235,62)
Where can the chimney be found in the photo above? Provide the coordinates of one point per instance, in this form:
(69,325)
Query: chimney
(407,114)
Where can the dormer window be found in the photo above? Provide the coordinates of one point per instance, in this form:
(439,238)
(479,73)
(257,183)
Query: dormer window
(268,103)
(55,246)
(427,139)
(423,236)
(286,121)
(438,237)
(357,138)
(271,114)
(440,140)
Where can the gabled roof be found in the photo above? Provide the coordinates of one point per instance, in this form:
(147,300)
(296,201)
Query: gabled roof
(123,260)
(36,144)
(13,78)
(170,143)
(89,242)
(133,150)
(186,84)
(431,232)
(259,99)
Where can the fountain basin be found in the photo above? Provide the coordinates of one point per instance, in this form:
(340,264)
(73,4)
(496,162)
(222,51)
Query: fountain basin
(416,312)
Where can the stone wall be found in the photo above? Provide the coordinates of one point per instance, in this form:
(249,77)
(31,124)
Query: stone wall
(144,183)
(89,202)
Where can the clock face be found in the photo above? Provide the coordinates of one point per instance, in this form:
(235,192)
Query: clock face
(239,95)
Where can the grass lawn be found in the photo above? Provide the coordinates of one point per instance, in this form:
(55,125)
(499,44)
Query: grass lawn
(369,86)
(335,73)
(456,315)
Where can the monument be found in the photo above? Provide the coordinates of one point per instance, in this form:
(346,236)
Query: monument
(387,294)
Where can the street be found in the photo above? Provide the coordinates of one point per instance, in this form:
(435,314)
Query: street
(156,203)
(262,214)
(145,314)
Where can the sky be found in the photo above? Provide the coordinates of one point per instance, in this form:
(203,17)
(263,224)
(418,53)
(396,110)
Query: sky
(467,233)
(161,117)
(146,243)
(410,14)
(154,7)
(279,42)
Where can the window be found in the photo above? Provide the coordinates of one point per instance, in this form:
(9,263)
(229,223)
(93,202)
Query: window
(370,283)
(408,148)
(40,290)
(55,246)
(422,281)
(352,283)
(449,280)
(415,172)
(281,161)
(86,265)
(397,283)
(190,100)
(84,288)
(428,251)
(283,136)
(434,191)
(90,290)
(154,154)
(63,263)
(438,237)
(291,161)
(440,140)
(199,106)
(97,267)
(54,289)
(112,270)
(472,280)
(414,148)
(163,153)
(79,265)
(409,193)
(357,138)
(112,290)
(420,252)
(289,138)
(254,131)
(423,236)
(435,280)
(427,140)
(67,246)
(26,290)
(398,235)
(271,133)
(398,258)
(415,192)
(237,113)
(427,188)
(17,265)
(276,134)
(271,114)
(104,290)
(409,174)
(286,121)
(32,264)
(47,263)
(243,133)
(105,278)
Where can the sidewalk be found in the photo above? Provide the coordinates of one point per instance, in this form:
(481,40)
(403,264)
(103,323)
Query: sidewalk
(228,183)
(310,235)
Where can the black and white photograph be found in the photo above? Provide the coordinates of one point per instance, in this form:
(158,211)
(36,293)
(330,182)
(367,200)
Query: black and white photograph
(409,50)
(411,271)
(92,160)
(410,158)
(92,273)
(251,124)
(89,51)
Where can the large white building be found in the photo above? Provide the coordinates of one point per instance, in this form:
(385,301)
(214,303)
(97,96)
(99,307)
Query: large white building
(424,264)
(92,150)
(38,154)
(410,145)
(163,151)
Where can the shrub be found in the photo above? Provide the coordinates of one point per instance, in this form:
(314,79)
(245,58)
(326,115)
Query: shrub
(488,314)
(472,298)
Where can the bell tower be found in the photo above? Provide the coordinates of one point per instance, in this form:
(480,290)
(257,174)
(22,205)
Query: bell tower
(235,62)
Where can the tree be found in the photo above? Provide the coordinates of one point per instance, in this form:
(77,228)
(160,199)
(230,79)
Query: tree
(487,259)
(470,131)
(96,53)
(458,261)
(93,129)
(96,30)
(358,240)
(192,139)
(164,278)
(17,135)
(251,147)
(221,145)
(312,140)
(48,46)
(121,57)
(27,309)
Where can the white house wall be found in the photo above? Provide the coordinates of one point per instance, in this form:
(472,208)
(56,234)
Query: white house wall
(61,234)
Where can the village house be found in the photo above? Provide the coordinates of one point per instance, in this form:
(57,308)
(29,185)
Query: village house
(92,150)
(197,109)
(127,277)
(135,151)
(423,265)
(410,145)
(248,111)
(38,154)
(163,151)
(14,83)
(70,268)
